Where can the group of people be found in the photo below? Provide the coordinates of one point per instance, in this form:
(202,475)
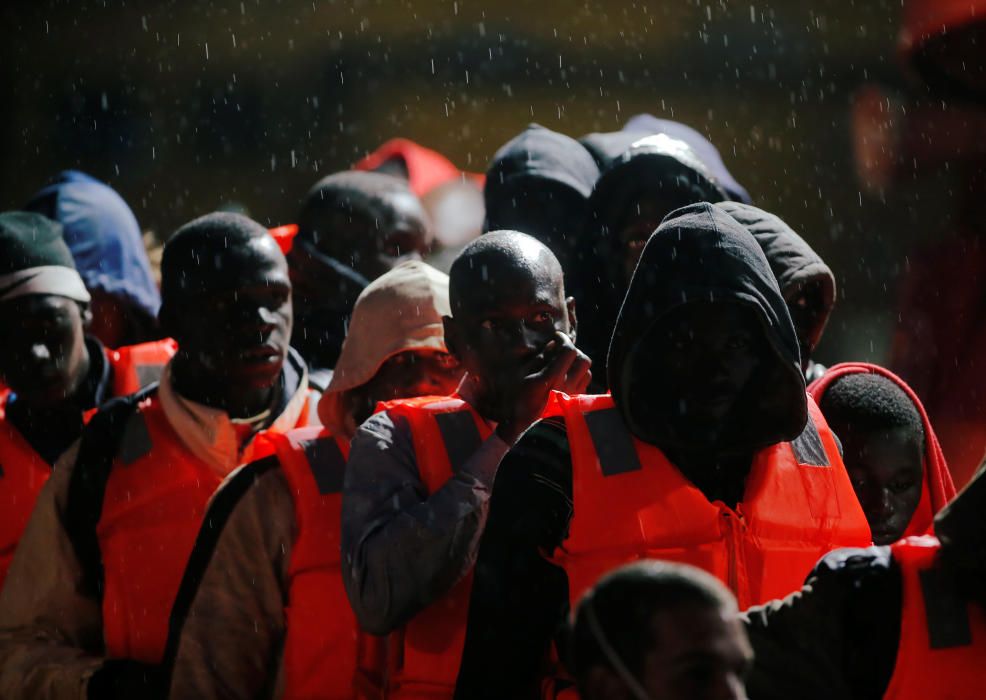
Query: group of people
(596,459)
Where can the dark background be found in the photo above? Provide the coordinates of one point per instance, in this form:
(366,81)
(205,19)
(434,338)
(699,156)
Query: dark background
(188,106)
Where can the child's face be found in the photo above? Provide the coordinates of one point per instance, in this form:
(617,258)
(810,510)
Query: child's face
(887,472)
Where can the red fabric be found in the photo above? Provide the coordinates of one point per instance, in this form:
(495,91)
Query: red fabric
(924,19)
(284,235)
(921,671)
(426,169)
(938,487)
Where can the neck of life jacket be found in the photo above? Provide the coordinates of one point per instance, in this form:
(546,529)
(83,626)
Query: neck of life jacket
(798,504)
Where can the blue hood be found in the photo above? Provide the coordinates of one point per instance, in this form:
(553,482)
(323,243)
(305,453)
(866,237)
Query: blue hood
(104,237)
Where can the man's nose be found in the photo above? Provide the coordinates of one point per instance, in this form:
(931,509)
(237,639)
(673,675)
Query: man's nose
(880,504)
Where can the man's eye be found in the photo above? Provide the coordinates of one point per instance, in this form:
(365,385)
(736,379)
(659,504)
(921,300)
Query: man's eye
(543,317)
(446,361)
(901,486)
(489,324)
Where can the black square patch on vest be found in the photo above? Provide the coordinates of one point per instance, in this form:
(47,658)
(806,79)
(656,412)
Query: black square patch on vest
(946,611)
(613,442)
(460,435)
(136,441)
(808,448)
(327,464)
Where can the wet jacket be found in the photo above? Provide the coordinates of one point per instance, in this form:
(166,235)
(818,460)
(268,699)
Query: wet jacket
(938,487)
(58,622)
(520,599)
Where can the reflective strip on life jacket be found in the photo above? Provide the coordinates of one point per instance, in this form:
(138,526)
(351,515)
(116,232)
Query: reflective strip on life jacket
(630,503)
(323,642)
(424,657)
(942,648)
(136,366)
(154,502)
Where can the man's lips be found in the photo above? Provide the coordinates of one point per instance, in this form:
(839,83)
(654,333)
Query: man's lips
(260,353)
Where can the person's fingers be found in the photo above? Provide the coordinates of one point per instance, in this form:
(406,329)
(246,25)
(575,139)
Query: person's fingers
(578,375)
(553,376)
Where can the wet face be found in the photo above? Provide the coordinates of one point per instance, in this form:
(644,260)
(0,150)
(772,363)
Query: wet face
(549,211)
(233,321)
(702,653)
(702,357)
(406,375)
(506,318)
(887,471)
(641,218)
(375,244)
(806,306)
(43,357)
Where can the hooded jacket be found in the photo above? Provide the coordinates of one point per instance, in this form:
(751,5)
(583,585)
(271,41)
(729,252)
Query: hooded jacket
(649,163)
(700,253)
(104,237)
(938,487)
(794,263)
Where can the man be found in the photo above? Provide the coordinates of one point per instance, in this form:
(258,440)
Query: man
(265,569)
(419,476)
(353,227)
(708,452)
(539,182)
(55,373)
(655,630)
(654,176)
(889,447)
(106,242)
(806,282)
(85,606)
(896,622)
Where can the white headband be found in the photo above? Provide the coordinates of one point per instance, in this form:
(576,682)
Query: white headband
(46,279)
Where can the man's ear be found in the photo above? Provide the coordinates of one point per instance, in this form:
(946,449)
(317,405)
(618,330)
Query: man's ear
(85,313)
(453,337)
(573,320)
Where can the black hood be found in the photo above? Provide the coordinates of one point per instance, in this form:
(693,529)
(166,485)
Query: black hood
(701,254)
(961,527)
(794,263)
(537,155)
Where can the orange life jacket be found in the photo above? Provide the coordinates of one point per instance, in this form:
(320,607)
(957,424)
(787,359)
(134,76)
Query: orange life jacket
(324,646)
(942,647)
(153,504)
(631,503)
(22,474)
(22,470)
(423,658)
(136,366)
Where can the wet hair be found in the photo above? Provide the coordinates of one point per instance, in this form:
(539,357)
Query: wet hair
(509,248)
(207,235)
(624,603)
(870,403)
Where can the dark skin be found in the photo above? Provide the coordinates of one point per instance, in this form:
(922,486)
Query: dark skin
(232,324)
(804,303)
(45,362)
(886,467)
(641,218)
(406,375)
(703,358)
(45,359)
(371,243)
(512,331)
(699,653)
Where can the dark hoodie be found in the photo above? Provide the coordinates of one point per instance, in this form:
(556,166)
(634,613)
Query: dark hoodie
(796,266)
(539,182)
(520,600)
(839,635)
(650,163)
